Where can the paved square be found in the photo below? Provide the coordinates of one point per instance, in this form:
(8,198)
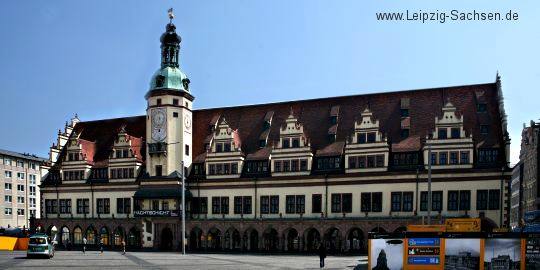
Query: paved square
(171,260)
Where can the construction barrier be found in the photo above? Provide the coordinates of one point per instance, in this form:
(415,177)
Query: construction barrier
(13,243)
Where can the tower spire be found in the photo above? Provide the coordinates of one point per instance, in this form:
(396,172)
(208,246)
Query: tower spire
(170,44)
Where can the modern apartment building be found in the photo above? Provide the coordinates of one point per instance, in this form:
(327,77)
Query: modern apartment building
(20,177)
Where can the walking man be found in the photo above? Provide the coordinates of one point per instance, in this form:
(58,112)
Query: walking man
(84,245)
(123,247)
(322,254)
(101,246)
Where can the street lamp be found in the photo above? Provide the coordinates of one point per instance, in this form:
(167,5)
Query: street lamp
(183,210)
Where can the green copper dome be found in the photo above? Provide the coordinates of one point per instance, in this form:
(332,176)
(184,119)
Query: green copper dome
(169,78)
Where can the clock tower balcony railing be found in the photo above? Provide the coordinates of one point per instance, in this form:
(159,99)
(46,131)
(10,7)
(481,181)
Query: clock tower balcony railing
(157,148)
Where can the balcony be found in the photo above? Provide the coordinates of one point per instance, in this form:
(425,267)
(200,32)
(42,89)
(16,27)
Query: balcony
(157,148)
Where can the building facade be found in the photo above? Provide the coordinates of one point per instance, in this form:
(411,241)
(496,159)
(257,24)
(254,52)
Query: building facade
(20,177)
(525,188)
(282,176)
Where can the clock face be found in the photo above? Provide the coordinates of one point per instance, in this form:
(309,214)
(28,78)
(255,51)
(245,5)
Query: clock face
(159,124)
(187,122)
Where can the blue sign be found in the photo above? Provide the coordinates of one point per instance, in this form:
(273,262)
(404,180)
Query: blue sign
(418,260)
(424,242)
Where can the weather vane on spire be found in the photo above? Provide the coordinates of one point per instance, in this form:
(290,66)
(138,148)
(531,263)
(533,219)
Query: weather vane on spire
(171,14)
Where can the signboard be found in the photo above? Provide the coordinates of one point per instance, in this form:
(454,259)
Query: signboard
(423,251)
(156,213)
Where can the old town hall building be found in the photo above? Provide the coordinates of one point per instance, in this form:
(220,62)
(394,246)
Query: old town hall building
(280,176)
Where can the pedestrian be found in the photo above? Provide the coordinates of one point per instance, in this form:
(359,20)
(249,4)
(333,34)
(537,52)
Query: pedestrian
(322,254)
(101,246)
(84,245)
(123,247)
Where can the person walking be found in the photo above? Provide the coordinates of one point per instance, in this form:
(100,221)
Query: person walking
(84,245)
(123,247)
(322,254)
(101,246)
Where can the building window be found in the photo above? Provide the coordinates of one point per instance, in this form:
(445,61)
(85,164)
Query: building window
(20,199)
(175,114)
(20,175)
(175,101)
(484,129)
(158,101)
(316,203)
(404,133)
(7,186)
(482,199)
(227,147)
(8,198)
(32,202)
(464,159)
(286,142)
(464,200)
(32,190)
(328,163)
(434,158)
(83,206)
(274,204)
(8,211)
(242,205)
(270,204)
(199,205)
(365,202)
(494,199)
(123,205)
(442,158)
(361,137)
(396,201)
(187,149)
(20,212)
(436,200)
(103,206)
(453,158)
(65,206)
(20,187)
(219,147)
(371,137)
(404,112)
(481,107)
(455,133)
(8,174)
(51,206)
(220,205)
(442,134)
(295,204)
(265,204)
(165,205)
(488,156)
(159,170)
(295,142)
(453,199)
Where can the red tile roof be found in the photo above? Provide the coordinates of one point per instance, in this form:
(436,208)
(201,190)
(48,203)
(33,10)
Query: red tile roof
(314,114)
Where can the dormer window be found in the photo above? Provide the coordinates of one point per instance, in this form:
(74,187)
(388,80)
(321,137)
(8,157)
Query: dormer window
(262,143)
(361,138)
(371,137)
(122,153)
(481,107)
(333,120)
(73,156)
(227,147)
(404,112)
(295,142)
(455,133)
(484,129)
(404,133)
(219,147)
(175,101)
(160,80)
(158,101)
(442,134)
(286,143)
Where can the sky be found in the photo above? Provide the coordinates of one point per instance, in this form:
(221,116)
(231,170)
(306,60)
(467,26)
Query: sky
(95,58)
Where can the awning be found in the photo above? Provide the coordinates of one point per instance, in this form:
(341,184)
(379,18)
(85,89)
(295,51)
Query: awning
(160,193)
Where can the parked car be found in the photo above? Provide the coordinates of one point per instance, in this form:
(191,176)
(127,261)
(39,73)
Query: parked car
(40,245)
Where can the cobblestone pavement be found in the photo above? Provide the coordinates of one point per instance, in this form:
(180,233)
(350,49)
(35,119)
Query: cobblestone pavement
(170,260)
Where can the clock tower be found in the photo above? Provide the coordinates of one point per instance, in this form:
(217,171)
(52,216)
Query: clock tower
(168,113)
